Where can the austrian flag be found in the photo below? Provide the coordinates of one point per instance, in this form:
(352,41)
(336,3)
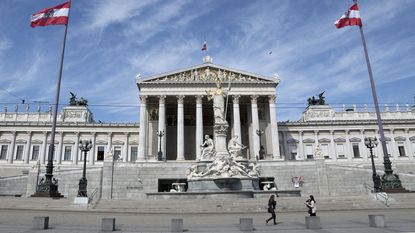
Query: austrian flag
(350,18)
(51,16)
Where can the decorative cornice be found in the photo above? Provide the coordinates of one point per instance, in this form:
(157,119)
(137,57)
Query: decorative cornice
(339,140)
(400,139)
(292,140)
(308,140)
(355,139)
(324,140)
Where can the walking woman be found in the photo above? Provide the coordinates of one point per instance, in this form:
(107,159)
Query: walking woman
(311,204)
(271,209)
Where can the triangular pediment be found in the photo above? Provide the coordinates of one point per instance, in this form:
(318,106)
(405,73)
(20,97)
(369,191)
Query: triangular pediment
(208,73)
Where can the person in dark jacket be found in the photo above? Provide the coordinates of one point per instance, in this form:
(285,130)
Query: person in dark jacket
(311,205)
(271,209)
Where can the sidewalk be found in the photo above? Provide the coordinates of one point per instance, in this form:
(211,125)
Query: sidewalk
(332,221)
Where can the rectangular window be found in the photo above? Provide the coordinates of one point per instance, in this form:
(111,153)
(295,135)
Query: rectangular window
(3,152)
(340,151)
(309,151)
(325,151)
(35,152)
(100,153)
(401,149)
(388,148)
(117,153)
(293,151)
(134,152)
(67,153)
(19,152)
(356,151)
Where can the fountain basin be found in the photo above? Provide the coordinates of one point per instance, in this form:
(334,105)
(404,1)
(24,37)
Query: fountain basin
(223,184)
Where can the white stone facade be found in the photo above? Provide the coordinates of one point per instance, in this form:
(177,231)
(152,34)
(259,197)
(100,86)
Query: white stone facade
(176,104)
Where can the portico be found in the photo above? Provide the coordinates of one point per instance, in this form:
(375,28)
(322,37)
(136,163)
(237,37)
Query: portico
(177,103)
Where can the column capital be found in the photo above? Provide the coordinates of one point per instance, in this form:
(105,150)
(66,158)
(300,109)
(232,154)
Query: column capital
(236,99)
(77,134)
(143,99)
(14,133)
(199,99)
(29,133)
(127,134)
(300,132)
(272,99)
(316,132)
(254,99)
(93,134)
(162,99)
(109,134)
(180,99)
(331,132)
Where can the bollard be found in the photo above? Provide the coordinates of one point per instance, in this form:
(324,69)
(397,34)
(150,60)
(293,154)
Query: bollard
(312,222)
(376,220)
(176,225)
(40,222)
(246,224)
(108,224)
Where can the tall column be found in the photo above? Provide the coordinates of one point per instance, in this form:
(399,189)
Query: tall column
(255,124)
(199,125)
(274,128)
(287,153)
(316,143)
(76,156)
(92,152)
(333,154)
(300,152)
(362,146)
(110,142)
(409,145)
(58,153)
(162,125)
(237,119)
(349,149)
(11,153)
(44,148)
(143,129)
(125,156)
(393,149)
(180,128)
(28,145)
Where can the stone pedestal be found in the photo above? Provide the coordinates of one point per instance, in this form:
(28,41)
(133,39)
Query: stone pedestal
(246,224)
(376,220)
(108,224)
(312,222)
(176,225)
(41,222)
(81,200)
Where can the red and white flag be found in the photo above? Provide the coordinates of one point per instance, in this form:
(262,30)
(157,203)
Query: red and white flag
(51,16)
(204,46)
(350,18)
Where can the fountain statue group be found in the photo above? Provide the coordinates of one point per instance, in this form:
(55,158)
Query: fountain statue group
(218,159)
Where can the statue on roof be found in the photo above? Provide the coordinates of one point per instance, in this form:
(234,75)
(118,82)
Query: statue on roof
(73,101)
(320,101)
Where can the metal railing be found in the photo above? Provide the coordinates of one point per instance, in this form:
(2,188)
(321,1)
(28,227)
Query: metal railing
(380,196)
(93,199)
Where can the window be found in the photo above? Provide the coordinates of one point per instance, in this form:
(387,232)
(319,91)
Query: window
(388,148)
(35,152)
(309,151)
(356,151)
(401,149)
(67,153)
(134,152)
(19,152)
(117,153)
(293,151)
(100,153)
(3,152)
(340,151)
(325,151)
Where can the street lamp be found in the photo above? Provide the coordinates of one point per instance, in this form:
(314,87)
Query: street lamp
(372,143)
(85,146)
(261,152)
(160,157)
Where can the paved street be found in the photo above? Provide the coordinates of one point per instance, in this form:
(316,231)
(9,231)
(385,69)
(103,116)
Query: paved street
(332,221)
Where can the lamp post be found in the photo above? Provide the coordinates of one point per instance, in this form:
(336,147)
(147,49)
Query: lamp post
(160,157)
(372,143)
(261,151)
(85,146)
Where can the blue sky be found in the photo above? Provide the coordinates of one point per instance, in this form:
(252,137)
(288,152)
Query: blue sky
(110,42)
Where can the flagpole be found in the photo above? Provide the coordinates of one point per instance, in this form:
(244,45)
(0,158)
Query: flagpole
(49,188)
(389,180)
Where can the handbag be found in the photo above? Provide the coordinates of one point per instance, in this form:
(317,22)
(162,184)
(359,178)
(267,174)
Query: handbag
(269,210)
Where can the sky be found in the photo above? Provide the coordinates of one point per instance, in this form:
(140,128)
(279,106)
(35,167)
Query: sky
(111,41)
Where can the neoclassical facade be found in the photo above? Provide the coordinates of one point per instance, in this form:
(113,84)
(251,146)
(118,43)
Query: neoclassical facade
(176,113)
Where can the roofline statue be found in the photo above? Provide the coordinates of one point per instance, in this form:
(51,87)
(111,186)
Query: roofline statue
(73,101)
(319,101)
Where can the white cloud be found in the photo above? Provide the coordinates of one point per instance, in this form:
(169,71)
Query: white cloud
(5,44)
